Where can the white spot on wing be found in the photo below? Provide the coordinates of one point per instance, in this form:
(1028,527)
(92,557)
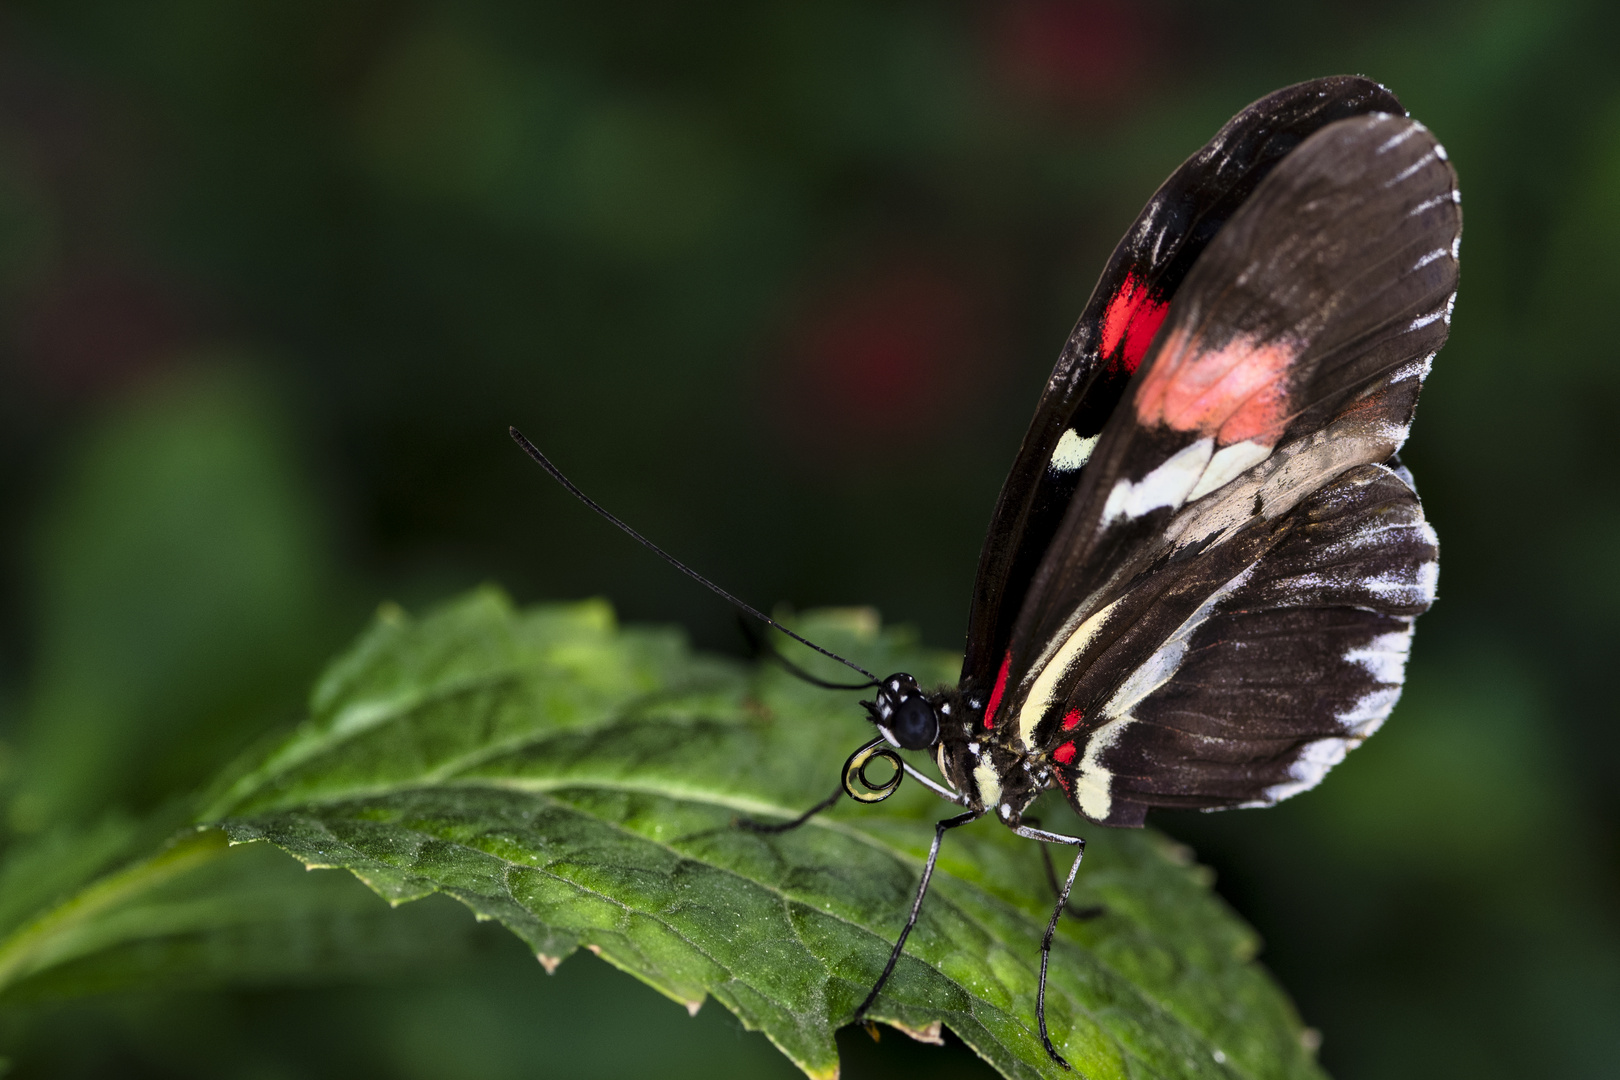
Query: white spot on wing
(1091,784)
(1228,464)
(1167,485)
(1072,451)
(984,775)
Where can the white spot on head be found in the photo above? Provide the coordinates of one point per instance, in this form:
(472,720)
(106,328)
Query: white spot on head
(1072,451)
(1167,485)
(888,736)
(945,709)
(973,748)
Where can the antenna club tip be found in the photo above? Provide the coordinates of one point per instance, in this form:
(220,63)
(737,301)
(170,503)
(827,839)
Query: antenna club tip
(511,429)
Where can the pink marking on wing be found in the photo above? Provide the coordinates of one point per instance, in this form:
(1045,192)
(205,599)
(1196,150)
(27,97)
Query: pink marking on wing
(1072,719)
(1064,754)
(1132,318)
(1236,392)
(997,690)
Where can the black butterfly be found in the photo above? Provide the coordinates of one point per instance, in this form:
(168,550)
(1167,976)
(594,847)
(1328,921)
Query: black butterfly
(1199,583)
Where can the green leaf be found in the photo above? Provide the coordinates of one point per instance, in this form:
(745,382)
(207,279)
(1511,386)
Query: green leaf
(195,912)
(579,783)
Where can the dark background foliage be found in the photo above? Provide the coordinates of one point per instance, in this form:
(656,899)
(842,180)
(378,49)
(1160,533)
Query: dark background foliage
(780,283)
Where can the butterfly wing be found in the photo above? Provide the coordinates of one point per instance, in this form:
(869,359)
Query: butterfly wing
(1283,381)
(1112,336)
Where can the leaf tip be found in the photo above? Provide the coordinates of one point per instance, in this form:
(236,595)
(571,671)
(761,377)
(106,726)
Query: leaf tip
(692,1007)
(548,962)
(933,1033)
(1311,1039)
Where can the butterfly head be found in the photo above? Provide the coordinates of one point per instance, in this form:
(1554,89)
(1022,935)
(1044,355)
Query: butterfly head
(906,716)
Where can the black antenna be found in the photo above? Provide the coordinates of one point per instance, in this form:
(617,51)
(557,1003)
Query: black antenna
(556,474)
(759,647)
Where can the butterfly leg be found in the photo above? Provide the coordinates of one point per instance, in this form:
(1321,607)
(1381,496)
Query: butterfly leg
(1030,833)
(772,827)
(1094,911)
(916,906)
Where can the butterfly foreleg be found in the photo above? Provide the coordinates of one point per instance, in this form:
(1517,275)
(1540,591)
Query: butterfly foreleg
(1031,833)
(916,905)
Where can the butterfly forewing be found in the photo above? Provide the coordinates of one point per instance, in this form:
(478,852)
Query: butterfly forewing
(1114,332)
(1289,363)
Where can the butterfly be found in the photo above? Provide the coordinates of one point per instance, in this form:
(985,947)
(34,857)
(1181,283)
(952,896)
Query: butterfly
(1200,579)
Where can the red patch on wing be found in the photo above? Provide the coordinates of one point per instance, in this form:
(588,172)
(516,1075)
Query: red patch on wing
(997,690)
(1072,719)
(1132,318)
(1064,754)
(1236,392)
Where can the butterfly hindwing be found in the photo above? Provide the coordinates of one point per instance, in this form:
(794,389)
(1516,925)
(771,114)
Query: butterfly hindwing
(1289,363)
(1240,689)
(1115,330)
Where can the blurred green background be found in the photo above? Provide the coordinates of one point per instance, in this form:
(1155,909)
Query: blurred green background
(779,283)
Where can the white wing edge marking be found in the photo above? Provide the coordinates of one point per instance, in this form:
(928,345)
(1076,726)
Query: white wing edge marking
(1384,658)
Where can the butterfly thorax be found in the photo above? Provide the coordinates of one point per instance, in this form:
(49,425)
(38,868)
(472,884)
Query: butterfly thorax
(995,773)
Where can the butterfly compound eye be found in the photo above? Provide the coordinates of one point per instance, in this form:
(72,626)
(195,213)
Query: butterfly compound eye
(914,724)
